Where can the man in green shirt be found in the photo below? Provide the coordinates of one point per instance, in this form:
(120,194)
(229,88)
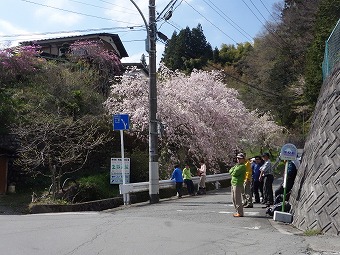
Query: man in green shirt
(238,173)
(187,180)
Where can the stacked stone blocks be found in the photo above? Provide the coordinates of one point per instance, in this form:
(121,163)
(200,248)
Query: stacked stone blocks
(315,196)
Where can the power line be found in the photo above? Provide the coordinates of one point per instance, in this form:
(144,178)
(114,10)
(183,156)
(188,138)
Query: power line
(101,7)
(275,34)
(79,13)
(117,5)
(271,32)
(128,41)
(137,40)
(231,22)
(210,21)
(168,12)
(173,24)
(268,10)
(188,53)
(258,11)
(76,31)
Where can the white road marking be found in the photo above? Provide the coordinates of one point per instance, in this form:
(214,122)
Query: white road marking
(61,213)
(256,227)
(252,213)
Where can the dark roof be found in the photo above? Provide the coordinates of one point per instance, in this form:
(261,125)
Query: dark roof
(140,66)
(115,39)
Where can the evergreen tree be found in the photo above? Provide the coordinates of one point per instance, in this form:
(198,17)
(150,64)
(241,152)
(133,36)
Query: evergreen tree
(187,50)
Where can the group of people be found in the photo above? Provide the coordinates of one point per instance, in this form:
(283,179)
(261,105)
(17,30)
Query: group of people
(185,176)
(256,177)
(251,177)
(248,178)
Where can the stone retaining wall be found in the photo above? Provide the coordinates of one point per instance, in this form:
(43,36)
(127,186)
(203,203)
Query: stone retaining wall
(315,196)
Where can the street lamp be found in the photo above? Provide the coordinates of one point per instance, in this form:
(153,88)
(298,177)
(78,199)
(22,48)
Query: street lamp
(153,123)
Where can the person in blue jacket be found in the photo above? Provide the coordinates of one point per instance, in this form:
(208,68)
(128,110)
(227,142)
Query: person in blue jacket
(177,176)
(257,184)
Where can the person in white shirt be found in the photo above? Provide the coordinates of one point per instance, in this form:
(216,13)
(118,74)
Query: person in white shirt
(268,178)
(202,173)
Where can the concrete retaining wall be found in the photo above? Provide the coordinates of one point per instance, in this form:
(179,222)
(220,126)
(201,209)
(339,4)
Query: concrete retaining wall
(315,196)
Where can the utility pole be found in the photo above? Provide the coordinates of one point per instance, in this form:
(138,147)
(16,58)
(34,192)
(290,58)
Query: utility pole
(153,123)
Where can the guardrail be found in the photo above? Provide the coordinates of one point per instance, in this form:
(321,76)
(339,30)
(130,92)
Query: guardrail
(126,189)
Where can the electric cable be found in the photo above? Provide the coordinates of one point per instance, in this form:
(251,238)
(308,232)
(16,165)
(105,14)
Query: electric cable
(271,32)
(210,22)
(117,5)
(268,10)
(229,21)
(79,13)
(76,31)
(101,7)
(275,34)
(172,3)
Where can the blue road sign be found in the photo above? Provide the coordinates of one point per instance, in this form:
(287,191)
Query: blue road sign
(121,122)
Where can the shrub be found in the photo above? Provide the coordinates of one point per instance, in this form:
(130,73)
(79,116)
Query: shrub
(95,187)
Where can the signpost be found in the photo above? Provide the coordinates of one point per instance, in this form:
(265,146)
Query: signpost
(288,153)
(116,176)
(121,122)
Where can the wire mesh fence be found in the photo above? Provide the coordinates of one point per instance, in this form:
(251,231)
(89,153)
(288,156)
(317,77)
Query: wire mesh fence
(332,51)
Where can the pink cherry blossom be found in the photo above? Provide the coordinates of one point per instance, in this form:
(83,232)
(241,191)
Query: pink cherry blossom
(200,114)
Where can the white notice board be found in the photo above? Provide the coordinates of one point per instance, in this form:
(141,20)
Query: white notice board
(116,176)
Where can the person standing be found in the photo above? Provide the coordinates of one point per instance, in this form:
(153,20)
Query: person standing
(268,178)
(238,173)
(187,180)
(202,173)
(291,174)
(257,184)
(247,195)
(177,176)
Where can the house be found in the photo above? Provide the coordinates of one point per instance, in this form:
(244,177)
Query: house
(55,47)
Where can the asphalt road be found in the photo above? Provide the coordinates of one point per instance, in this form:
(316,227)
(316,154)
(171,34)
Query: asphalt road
(191,225)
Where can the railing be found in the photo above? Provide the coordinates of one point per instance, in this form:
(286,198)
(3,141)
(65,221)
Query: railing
(163,184)
(332,51)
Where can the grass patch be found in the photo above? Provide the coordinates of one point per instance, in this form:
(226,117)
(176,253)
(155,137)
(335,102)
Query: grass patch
(312,232)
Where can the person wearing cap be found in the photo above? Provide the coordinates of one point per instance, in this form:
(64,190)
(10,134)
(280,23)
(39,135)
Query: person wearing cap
(238,173)
(268,178)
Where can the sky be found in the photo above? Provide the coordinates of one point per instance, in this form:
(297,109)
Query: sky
(223,21)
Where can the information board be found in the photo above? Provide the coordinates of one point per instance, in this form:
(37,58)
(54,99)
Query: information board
(116,176)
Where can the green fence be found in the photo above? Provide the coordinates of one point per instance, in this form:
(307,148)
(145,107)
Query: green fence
(332,51)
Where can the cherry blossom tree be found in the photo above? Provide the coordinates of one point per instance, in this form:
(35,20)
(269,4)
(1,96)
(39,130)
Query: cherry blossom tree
(201,117)
(18,61)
